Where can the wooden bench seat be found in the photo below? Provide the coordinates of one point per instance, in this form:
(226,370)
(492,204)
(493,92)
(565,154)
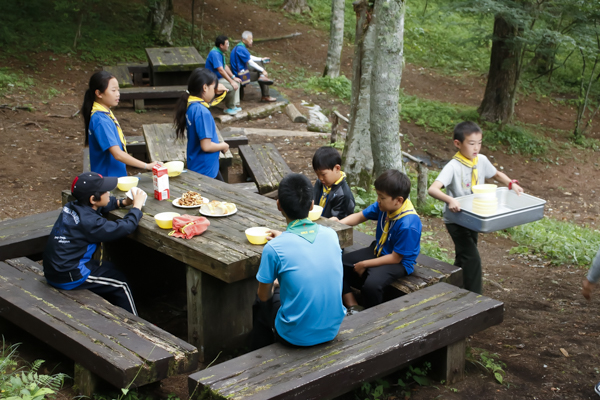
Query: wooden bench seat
(26,236)
(138,70)
(369,345)
(103,340)
(141,93)
(427,271)
(263,163)
(136,146)
(121,72)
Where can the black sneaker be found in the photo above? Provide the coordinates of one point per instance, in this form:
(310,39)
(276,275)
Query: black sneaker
(597,388)
(354,310)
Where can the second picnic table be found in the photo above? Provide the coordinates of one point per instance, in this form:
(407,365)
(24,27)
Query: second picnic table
(221,263)
(172,65)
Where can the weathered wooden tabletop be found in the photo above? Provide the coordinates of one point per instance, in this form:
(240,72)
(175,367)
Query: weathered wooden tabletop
(174,59)
(223,251)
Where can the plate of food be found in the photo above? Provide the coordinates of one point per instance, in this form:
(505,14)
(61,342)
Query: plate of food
(190,200)
(217,208)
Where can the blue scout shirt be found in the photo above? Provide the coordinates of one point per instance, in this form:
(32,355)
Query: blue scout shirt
(239,58)
(404,237)
(215,59)
(103,135)
(310,276)
(201,125)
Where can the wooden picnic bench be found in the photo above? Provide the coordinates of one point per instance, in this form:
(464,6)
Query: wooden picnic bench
(428,271)
(26,236)
(136,146)
(371,344)
(264,164)
(104,341)
(140,93)
(138,70)
(163,145)
(121,72)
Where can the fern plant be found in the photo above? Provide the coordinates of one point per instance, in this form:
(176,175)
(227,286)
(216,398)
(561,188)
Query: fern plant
(25,383)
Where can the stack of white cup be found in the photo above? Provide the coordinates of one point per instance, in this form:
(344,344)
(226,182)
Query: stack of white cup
(485,201)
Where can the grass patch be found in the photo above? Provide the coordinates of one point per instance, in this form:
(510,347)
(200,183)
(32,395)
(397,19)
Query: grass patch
(11,80)
(559,242)
(340,87)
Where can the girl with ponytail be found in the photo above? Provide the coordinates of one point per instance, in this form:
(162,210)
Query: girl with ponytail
(103,134)
(192,115)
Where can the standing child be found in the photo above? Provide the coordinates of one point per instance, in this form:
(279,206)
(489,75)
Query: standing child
(397,242)
(80,227)
(331,191)
(103,134)
(192,114)
(467,169)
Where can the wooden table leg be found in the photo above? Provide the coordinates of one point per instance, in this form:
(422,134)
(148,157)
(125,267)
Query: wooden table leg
(452,360)
(85,381)
(219,313)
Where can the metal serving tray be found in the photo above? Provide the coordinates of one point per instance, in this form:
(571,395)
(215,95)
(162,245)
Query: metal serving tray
(513,210)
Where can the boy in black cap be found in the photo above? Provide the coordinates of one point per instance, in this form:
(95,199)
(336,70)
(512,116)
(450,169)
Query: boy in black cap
(80,227)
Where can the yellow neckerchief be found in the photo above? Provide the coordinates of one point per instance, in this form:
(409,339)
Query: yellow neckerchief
(216,100)
(469,163)
(99,107)
(326,190)
(406,209)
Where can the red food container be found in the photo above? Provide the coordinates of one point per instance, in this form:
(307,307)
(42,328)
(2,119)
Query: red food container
(160,179)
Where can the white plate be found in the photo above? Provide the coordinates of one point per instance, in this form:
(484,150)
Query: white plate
(224,215)
(176,203)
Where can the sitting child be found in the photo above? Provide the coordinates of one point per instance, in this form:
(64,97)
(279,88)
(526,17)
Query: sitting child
(306,309)
(397,242)
(331,190)
(80,227)
(466,169)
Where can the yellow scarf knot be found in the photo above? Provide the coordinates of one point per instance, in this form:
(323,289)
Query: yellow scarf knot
(406,209)
(216,100)
(469,164)
(326,190)
(97,107)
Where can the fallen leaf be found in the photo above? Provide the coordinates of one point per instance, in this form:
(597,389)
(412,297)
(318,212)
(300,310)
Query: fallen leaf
(565,353)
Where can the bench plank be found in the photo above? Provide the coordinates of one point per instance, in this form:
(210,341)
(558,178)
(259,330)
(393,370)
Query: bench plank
(265,165)
(26,236)
(107,340)
(121,72)
(370,344)
(152,92)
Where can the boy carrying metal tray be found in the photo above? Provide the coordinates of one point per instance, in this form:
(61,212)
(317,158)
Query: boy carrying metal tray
(467,169)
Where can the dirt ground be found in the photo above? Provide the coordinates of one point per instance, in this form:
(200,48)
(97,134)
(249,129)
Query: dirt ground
(545,312)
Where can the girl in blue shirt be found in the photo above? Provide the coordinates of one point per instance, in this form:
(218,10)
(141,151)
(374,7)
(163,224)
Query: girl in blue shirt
(108,149)
(192,114)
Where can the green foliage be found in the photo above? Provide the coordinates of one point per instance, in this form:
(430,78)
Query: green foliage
(25,383)
(432,248)
(341,87)
(374,390)
(489,362)
(363,197)
(11,80)
(518,140)
(559,242)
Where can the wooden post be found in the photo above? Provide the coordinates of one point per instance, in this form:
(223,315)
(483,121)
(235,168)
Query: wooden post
(85,381)
(450,362)
(422,184)
(218,310)
(138,104)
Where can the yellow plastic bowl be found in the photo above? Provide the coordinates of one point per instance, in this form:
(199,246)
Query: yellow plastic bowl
(257,235)
(483,189)
(165,220)
(315,213)
(127,182)
(174,168)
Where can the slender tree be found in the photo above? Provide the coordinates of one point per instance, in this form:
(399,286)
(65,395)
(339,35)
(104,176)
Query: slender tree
(336,39)
(161,18)
(357,159)
(388,61)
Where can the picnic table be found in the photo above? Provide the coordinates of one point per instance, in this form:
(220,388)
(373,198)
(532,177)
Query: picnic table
(221,264)
(172,65)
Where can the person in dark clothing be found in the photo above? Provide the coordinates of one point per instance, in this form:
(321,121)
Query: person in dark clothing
(331,191)
(80,227)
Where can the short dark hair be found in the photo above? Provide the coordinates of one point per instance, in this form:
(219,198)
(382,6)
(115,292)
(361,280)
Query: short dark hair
(393,183)
(465,129)
(85,199)
(220,40)
(326,157)
(295,196)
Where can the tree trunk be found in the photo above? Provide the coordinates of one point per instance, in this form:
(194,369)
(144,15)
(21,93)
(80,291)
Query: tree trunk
(388,60)
(336,39)
(498,103)
(357,159)
(162,19)
(296,6)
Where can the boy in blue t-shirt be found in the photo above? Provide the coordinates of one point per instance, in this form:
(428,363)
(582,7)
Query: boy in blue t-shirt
(215,62)
(305,263)
(397,242)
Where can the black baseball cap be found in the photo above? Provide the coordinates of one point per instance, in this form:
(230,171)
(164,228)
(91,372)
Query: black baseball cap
(88,183)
